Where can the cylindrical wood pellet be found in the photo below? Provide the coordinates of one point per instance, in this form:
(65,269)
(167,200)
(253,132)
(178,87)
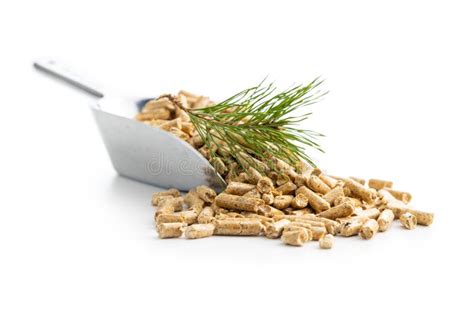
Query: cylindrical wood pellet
(199,231)
(369,229)
(237,202)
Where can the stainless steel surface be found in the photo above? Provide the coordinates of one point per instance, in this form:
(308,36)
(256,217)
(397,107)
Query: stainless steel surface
(139,151)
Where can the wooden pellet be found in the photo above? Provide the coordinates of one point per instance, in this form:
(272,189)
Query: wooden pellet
(317,185)
(241,227)
(405,197)
(359,191)
(333,195)
(265,185)
(230,201)
(342,210)
(268,198)
(282,202)
(326,242)
(205,193)
(170,230)
(408,220)
(330,181)
(378,184)
(315,201)
(287,188)
(194,202)
(369,229)
(158,196)
(206,215)
(351,228)
(199,231)
(299,201)
(170,205)
(385,220)
(295,237)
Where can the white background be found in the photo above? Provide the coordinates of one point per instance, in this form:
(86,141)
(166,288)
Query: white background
(76,239)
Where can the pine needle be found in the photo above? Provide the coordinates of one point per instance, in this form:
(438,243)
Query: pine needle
(260,122)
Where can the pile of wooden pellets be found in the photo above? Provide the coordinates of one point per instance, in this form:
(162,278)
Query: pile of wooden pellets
(297,204)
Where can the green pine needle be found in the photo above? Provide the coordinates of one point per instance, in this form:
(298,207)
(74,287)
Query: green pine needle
(260,122)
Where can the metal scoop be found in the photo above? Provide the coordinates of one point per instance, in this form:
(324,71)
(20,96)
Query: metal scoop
(139,151)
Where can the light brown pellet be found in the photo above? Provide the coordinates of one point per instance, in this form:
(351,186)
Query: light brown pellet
(330,181)
(351,228)
(287,188)
(408,220)
(315,201)
(253,194)
(369,229)
(342,210)
(378,184)
(169,218)
(359,180)
(242,227)
(158,196)
(170,205)
(206,215)
(299,201)
(237,202)
(170,230)
(194,202)
(385,220)
(359,191)
(370,213)
(265,185)
(295,237)
(282,202)
(405,197)
(205,193)
(199,231)
(268,198)
(317,185)
(333,195)
(326,242)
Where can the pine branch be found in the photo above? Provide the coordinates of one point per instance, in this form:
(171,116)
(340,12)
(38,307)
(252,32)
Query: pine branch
(260,122)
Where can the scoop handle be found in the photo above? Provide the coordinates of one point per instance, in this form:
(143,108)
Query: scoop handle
(59,71)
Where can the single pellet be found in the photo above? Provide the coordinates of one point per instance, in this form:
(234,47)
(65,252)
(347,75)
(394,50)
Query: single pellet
(199,231)
(282,202)
(326,242)
(158,196)
(170,230)
(351,228)
(359,191)
(239,188)
(369,229)
(206,215)
(268,198)
(287,188)
(318,232)
(299,201)
(315,201)
(237,202)
(408,220)
(334,194)
(169,218)
(195,203)
(253,194)
(265,185)
(405,197)
(205,193)
(295,237)
(238,227)
(330,181)
(317,185)
(189,217)
(370,213)
(378,184)
(169,205)
(385,220)
(342,210)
